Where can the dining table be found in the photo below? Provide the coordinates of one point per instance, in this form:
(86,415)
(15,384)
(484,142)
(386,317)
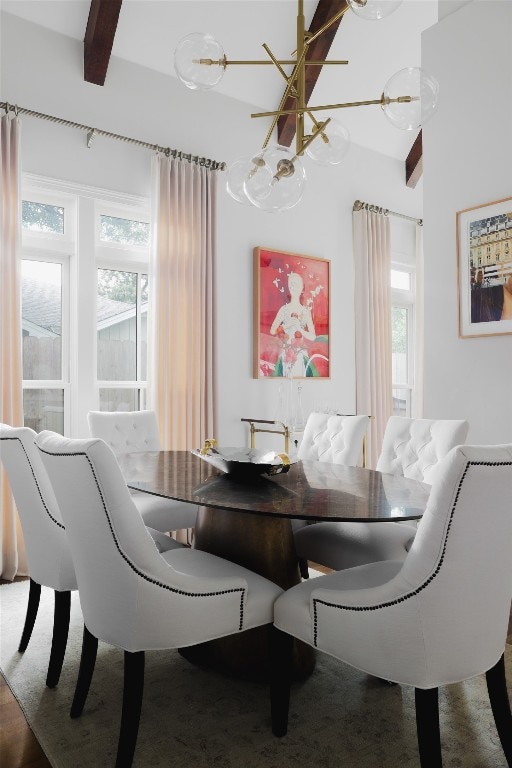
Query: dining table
(248,520)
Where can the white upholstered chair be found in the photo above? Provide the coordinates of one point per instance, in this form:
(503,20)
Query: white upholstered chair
(411,448)
(439,617)
(414,447)
(132,596)
(48,556)
(135,432)
(334,438)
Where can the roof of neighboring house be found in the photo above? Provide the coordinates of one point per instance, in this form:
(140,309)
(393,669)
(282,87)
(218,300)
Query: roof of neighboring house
(41,306)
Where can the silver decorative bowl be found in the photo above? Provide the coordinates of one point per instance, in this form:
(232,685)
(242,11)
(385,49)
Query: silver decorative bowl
(245,463)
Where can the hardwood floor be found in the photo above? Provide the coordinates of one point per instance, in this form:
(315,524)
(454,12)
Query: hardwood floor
(19,747)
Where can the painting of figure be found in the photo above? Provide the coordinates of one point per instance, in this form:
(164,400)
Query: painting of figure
(291,315)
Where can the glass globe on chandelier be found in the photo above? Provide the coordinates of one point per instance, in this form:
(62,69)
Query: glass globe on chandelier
(273,177)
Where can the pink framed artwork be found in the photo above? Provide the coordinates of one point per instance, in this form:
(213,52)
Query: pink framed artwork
(291,315)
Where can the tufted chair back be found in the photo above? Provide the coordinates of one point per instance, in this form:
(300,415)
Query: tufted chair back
(126,431)
(334,438)
(414,447)
(47,548)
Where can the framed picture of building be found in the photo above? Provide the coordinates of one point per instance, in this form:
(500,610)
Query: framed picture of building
(291,315)
(484,253)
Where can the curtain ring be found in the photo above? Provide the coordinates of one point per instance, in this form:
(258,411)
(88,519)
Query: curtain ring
(6,107)
(16,110)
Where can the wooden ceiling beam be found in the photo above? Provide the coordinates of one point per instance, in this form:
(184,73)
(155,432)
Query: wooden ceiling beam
(318,51)
(99,38)
(414,162)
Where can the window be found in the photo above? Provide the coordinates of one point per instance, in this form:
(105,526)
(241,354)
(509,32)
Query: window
(48,244)
(402,339)
(121,302)
(122,237)
(85,258)
(44,343)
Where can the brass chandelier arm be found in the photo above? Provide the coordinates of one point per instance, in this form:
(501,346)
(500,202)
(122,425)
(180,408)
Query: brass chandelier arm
(295,82)
(310,38)
(277,63)
(300,81)
(309,139)
(288,90)
(382,101)
(252,62)
(318,126)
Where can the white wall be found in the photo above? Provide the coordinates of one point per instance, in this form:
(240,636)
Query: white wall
(446,7)
(467,162)
(42,70)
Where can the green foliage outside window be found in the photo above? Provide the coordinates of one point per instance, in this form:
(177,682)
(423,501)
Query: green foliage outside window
(124,231)
(42,217)
(121,286)
(399,329)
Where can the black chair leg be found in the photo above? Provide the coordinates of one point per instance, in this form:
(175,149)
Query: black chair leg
(303,568)
(500,705)
(87,662)
(33,604)
(132,703)
(281,651)
(427,727)
(60,637)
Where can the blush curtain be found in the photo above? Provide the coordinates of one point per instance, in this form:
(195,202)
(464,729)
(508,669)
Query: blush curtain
(181,338)
(372,270)
(13,560)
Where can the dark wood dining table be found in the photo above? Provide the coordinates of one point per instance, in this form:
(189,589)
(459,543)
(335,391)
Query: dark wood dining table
(249,523)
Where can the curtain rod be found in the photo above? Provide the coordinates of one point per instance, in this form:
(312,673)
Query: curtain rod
(93,132)
(358,206)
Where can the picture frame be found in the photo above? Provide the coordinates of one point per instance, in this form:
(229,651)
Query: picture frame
(291,315)
(484,269)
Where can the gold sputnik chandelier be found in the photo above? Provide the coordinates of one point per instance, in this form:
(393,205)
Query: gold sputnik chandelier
(273,178)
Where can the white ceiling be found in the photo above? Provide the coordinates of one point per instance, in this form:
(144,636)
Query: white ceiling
(148,31)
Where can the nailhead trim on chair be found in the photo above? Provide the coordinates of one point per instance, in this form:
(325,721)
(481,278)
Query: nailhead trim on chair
(134,567)
(425,583)
(61,525)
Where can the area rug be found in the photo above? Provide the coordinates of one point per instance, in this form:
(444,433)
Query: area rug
(192,718)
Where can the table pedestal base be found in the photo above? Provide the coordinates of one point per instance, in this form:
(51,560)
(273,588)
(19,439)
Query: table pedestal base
(265,546)
(246,657)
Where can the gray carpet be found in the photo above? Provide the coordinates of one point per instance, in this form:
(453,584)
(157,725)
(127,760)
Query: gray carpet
(197,719)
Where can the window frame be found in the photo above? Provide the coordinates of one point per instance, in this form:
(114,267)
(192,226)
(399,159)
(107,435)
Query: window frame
(44,254)
(125,258)
(60,248)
